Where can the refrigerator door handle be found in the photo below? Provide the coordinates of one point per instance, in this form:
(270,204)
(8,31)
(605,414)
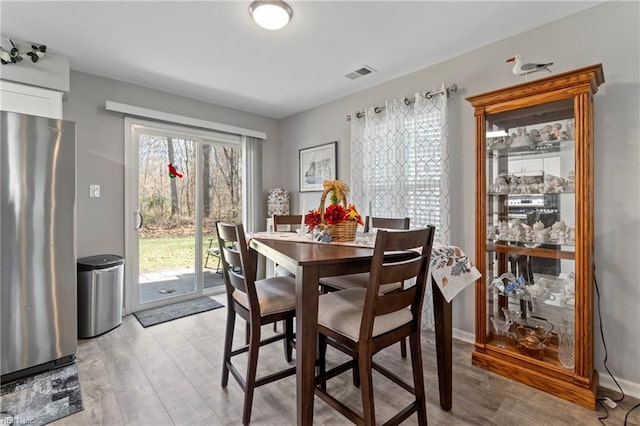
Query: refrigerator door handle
(141,220)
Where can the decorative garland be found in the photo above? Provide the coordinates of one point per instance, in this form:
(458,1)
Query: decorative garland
(15,54)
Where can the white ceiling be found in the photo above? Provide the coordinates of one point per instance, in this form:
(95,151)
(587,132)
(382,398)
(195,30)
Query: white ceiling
(214,52)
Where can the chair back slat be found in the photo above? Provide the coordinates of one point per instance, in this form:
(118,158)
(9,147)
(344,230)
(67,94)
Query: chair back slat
(402,271)
(227,232)
(236,279)
(392,302)
(383,271)
(294,221)
(232,255)
(397,244)
(386,223)
(238,267)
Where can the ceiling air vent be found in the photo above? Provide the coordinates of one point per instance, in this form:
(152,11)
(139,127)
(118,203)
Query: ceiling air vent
(361,72)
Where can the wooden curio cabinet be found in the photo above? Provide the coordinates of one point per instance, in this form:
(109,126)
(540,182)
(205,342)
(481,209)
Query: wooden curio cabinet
(534,233)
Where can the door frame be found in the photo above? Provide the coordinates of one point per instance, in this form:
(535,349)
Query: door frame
(131,206)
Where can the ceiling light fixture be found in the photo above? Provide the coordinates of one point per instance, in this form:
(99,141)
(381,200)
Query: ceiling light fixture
(271,15)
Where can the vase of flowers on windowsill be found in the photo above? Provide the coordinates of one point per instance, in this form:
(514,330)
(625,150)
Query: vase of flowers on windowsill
(339,220)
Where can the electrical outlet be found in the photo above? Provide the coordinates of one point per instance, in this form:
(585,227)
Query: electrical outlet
(94,191)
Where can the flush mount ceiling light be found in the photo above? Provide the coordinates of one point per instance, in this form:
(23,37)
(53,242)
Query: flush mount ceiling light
(271,15)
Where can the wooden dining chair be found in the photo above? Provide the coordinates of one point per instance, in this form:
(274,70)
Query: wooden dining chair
(293,221)
(362,321)
(285,223)
(361,280)
(343,282)
(292,224)
(258,303)
(386,223)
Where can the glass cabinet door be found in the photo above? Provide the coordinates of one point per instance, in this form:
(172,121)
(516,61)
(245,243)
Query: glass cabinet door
(530,231)
(535,233)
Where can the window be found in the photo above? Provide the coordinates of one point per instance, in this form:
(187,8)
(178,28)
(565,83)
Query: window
(399,162)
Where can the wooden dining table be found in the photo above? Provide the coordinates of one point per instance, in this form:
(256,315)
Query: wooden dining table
(310,262)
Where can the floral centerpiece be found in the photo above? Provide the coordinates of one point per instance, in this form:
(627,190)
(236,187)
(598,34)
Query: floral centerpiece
(339,220)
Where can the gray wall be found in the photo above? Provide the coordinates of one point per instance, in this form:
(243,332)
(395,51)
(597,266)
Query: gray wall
(100,153)
(607,34)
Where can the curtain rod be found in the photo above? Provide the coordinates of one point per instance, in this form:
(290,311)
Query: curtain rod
(447,90)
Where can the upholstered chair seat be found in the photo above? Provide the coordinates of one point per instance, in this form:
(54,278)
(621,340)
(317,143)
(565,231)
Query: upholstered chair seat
(277,294)
(341,312)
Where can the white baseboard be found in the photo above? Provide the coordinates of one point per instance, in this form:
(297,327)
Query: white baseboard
(630,388)
(464,336)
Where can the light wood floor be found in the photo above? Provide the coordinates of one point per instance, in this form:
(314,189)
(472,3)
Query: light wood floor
(170,374)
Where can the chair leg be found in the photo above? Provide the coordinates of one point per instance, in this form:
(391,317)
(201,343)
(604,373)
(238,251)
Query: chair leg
(366,385)
(247,333)
(288,338)
(418,377)
(322,359)
(356,373)
(228,344)
(252,367)
(403,348)
(206,261)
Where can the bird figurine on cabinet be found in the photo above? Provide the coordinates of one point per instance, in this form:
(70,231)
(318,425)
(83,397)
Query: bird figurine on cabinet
(521,68)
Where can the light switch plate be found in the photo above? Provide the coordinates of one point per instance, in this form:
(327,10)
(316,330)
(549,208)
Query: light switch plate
(94,191)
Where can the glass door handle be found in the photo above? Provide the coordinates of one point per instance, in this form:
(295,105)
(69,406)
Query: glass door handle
(141,220)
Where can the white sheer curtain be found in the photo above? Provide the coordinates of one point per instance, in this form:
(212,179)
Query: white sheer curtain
(400,166)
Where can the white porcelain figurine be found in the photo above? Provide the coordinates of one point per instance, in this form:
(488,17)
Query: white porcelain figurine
(491,232)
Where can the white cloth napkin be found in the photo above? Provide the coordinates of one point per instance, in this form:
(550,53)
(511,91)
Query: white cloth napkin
(451,269)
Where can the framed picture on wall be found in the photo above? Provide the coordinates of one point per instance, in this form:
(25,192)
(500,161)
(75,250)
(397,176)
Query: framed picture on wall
(317,164)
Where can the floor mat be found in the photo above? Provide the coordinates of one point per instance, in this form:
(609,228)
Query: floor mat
(161,314)
(42,398)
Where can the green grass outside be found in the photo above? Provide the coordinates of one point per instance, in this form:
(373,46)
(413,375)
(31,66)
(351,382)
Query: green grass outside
(159,254)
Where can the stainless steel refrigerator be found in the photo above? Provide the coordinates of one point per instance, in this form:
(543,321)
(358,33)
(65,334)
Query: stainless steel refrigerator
(38,244)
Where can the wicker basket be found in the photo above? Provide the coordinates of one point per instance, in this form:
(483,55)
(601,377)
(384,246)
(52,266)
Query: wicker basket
(340,232)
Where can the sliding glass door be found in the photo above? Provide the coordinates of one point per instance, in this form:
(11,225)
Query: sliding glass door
(180,182)
(221,191)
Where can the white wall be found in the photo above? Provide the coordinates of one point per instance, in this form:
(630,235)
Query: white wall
(607,34)
(100,152)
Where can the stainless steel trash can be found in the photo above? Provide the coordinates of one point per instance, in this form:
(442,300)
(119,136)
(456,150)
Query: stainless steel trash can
(100,281)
